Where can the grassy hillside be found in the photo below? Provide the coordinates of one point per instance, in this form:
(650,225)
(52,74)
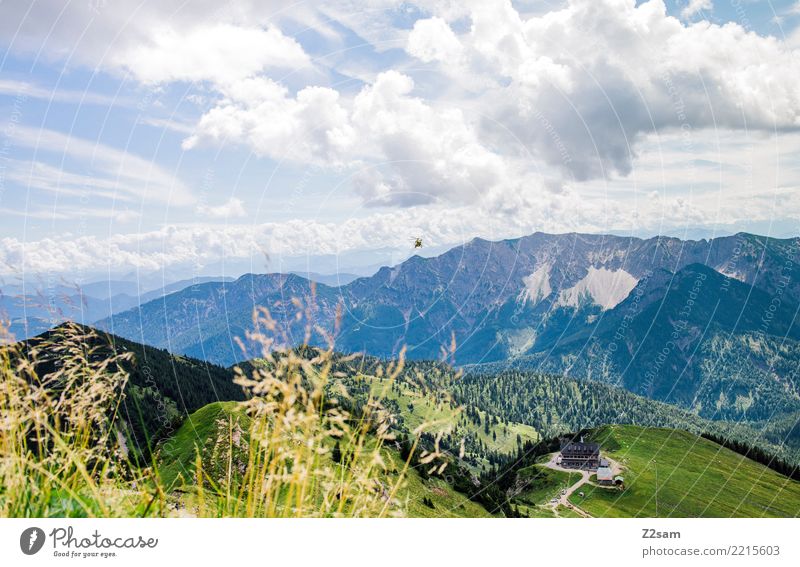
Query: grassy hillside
(200,433)
(218,434)
(161,390)
(554,405)
(696,478)
(325,435)
(537,486)
(421,392)
(481,431)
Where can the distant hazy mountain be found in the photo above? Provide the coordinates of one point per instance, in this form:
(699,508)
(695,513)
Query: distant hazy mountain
(594,306)
(32,309)
(333,280)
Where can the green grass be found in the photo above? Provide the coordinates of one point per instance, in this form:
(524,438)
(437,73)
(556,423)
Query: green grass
(536,511)
(538,486)
(417,408)
(696,478)
(447,503)
(564,512)
(178,458)
(541,484)
(177,455)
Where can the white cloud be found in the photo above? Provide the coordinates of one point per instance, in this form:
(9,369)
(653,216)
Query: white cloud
(193,247)
(27,89)
(168,40)
(579,87)
(433,40)
(576,89)
(125,216)
(371,20)
(420,153)
(114,173)
(221,53)
(529,116)
(695,6)
(732,192)
(258,112)
(73,214)
(168,124)
(232,208)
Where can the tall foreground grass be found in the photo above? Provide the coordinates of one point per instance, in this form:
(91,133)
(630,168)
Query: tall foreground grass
(291,450)
(61,450)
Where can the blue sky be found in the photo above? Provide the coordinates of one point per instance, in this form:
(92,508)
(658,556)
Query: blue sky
(146,136)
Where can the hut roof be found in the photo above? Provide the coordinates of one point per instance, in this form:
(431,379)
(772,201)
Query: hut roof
(604,473)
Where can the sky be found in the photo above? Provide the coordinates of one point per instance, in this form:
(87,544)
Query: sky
(202,137)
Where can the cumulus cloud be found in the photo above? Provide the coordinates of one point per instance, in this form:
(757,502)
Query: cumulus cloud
(219,53)
(168,40)
(433,40)
(580,86)
(722,196)
(421,152)
(531,117)
(197,246)
(260,113)
(232,208)
(696,6)
(575,89)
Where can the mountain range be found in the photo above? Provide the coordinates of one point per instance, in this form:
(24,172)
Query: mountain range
(31,309)
(709,325)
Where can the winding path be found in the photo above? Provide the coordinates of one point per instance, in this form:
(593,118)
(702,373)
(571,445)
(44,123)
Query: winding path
(563,499)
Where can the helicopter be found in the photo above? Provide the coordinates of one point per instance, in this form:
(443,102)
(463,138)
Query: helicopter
(417,242)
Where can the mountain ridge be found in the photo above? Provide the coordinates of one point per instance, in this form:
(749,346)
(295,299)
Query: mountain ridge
(547,298)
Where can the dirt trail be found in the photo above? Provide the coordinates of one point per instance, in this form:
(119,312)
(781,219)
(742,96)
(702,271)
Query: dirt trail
(616,468)
(563,499)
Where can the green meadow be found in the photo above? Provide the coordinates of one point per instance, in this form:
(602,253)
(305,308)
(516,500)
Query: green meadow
(672,473)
